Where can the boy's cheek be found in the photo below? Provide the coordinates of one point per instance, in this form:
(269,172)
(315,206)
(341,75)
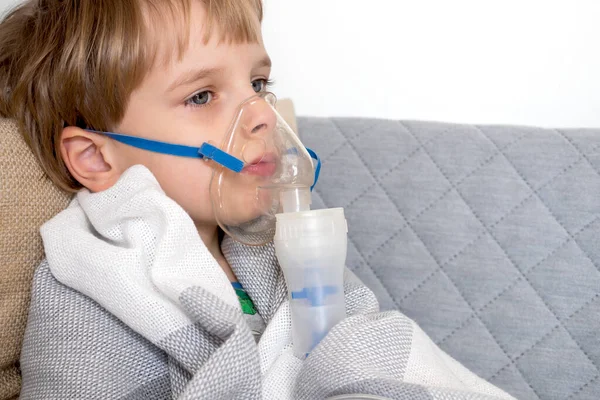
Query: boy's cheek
(186,181)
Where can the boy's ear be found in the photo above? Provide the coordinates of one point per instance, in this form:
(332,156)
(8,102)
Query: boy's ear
(90,158)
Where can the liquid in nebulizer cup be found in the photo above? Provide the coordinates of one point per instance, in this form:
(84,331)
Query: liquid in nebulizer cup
(311,249)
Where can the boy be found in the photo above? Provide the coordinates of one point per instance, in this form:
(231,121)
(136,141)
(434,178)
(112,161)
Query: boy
(135,299)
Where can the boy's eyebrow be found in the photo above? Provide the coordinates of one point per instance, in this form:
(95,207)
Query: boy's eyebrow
(203,73)
(265,62)
(193,76)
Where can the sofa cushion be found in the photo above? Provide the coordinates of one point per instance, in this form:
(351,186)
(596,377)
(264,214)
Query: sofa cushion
(27,199)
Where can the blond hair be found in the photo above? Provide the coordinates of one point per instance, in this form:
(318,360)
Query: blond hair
(76,62)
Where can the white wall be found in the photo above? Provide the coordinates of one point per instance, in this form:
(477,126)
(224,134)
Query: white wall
(7,4)
(533,62)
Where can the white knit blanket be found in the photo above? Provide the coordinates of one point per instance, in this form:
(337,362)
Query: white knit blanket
(131,304)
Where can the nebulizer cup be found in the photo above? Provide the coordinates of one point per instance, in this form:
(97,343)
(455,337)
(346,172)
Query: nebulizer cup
(311,249)
(269,199)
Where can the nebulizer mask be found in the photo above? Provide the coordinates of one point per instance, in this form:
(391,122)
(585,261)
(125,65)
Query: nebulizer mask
(277,174)
(261,191)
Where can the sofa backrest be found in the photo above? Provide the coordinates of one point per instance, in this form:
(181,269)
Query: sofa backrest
(487,236)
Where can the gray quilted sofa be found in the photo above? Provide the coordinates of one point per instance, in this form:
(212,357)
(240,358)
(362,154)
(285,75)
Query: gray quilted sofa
(487,236)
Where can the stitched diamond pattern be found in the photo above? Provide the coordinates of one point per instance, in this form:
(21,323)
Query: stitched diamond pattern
(487,236)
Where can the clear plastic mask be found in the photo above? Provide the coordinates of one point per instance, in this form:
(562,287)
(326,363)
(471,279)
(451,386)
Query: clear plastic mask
(277,175)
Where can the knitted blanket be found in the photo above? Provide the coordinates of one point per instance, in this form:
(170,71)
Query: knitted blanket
(131,304)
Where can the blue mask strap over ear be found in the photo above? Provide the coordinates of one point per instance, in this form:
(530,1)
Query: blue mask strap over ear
(206,151)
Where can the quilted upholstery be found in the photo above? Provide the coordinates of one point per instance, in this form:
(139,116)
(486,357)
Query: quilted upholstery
(487,236)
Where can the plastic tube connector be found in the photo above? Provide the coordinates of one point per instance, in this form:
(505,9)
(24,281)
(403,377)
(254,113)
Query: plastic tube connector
(295,199)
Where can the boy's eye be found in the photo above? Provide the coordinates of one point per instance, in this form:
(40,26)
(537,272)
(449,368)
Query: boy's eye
(200,99)
(260,85)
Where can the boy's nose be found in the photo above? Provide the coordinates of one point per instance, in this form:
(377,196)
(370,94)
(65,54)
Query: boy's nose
(258,117)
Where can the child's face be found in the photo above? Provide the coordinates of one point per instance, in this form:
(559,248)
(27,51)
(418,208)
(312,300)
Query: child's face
(191,101)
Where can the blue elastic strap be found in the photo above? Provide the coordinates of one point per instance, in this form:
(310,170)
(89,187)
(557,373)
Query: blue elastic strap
(317,170)
(219,156)
(205,151)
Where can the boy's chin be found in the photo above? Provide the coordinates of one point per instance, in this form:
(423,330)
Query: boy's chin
(242,218)
(246,206)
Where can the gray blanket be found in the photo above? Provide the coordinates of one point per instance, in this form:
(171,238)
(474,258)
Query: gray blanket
(75,349)
(88,338)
